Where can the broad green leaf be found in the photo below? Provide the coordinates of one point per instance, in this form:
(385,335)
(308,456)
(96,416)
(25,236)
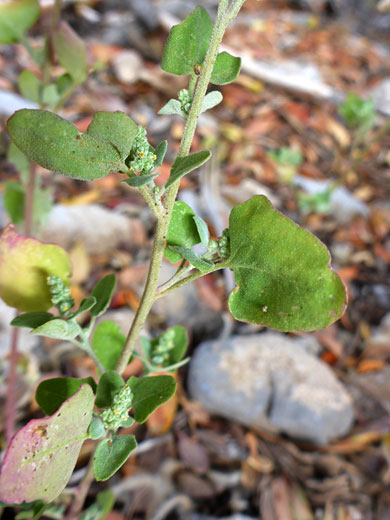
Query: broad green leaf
(86,305)
(103,292)
(281,270)
(184,165)
(203,230)
(57,329)
(51,393)
(358,112)
(116,128)
(25,264)
(172,108)
(182,230)
(140,180)
(14,201)
(187,43)
(226,69)
(107,343)
(180,344)
(42,455)
(193,258)
(16,17)
(149,393)
(30,85)
(32,320)
(160,152)
(20,161)
(56,144)
(96,429)
(50,95)
(71,52)
(111,454)
(64,83)
(211,100)
(108,386)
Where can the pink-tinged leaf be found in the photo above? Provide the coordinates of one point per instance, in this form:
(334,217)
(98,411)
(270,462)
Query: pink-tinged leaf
(25,264)
(42,455)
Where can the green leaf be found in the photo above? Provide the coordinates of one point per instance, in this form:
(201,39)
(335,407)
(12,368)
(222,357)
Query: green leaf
(116,128)
(287,156)
(20,161)
(56,144)
(107,343)
(281,270)
(32,320)
(51,393)
(85,305)
(71,52)
(187,43)
(149,393)
(358,112)
(42,455)
(14,201)
(172,108)
(203,230)
(160,152)
(140,180)
(96,429)
(193,258)
(103,292)
(111,454)
(180,342)
(226,69)
(108,386)
(211,100)
(50,95)
(25,264)
(58,329)
(182,230)
(184,165)
(64,83)
(16,17)
(105,501)
(30,85)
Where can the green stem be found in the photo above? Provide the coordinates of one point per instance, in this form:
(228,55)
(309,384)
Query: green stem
(149,295)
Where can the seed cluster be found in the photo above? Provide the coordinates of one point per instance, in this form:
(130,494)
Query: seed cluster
(118,413)
(61,297)
(222,245)
(160,354)
(185,100)
(142,156)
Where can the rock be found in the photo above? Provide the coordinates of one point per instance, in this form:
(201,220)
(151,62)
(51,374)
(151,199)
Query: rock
(184,307)
(10,103)
(271,381)
(127,66)
(100,229)
(381,96)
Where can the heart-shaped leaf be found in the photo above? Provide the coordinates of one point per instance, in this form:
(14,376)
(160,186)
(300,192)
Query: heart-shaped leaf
(184,165)
(211,100)
(107,343)
(115,127)
(58,329)
(281,270)
(56,144)
(71,52)
(41,456)
(103,292)
(51,393)
(182,230)
(226,69)
(172,108)
(149,393)
(111,454)
(17,16)
(25,264)
(187,43)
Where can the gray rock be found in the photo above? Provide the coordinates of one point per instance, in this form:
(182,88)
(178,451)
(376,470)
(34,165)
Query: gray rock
(271,381)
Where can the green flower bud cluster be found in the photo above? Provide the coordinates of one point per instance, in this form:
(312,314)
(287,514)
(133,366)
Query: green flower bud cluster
(185,100)
(160,353)
(118,413)
(61,297)
(142,156)
(222,245)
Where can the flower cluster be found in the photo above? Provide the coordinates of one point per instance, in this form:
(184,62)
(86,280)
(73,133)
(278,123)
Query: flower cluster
(185,100)
(160,353)
(118,413)
(142,156)
(222,245)
(61,297)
